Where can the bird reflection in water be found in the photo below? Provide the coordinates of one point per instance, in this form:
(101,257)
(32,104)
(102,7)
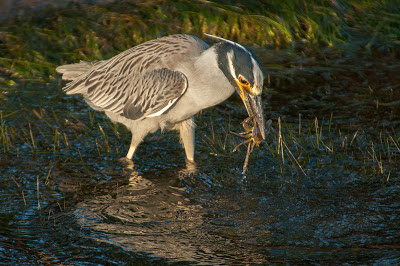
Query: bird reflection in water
(150,215)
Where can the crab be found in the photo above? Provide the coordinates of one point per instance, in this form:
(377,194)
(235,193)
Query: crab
(253,135)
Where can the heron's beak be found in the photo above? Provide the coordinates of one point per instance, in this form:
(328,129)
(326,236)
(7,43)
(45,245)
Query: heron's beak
(253,105)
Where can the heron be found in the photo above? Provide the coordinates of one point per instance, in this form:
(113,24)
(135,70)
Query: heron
(164,82)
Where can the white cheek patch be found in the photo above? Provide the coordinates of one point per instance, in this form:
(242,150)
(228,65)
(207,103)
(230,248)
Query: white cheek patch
(231,66)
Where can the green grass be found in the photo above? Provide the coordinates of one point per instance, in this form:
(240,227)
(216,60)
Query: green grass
(31,46)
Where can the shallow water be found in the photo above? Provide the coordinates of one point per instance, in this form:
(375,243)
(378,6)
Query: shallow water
(154,218)
(66,199)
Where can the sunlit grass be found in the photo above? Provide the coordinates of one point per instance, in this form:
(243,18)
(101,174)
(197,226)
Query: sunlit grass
(31,47)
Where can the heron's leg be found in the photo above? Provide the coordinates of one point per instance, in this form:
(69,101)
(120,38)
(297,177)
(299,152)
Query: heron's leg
(187,137)
(139,132)
(132,148)
(131,151)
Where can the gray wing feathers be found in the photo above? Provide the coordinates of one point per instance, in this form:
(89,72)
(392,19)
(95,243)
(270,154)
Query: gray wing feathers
(137,97)
(156,92)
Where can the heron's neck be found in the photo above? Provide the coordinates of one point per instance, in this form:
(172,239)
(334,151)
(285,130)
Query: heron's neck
(214,87)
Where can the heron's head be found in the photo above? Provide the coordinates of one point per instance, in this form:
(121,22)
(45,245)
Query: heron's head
(244,72)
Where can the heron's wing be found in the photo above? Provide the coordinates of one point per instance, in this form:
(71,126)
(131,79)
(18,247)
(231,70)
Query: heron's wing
(139,82)
(137,97)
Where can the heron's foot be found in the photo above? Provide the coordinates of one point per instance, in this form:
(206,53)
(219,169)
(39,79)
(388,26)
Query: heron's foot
(191,166)
(189,171)
(124,160)
(127,163)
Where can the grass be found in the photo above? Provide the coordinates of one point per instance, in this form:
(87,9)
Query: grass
(320,144)
(31,47)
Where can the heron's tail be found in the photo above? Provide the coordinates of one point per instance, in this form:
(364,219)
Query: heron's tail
(73,71)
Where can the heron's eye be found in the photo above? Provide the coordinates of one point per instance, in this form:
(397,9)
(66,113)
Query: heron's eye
(243,80)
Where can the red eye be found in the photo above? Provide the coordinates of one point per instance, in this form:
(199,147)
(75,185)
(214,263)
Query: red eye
(243,80)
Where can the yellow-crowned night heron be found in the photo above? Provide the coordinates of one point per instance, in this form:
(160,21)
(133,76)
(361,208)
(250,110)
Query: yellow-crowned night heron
(163,83)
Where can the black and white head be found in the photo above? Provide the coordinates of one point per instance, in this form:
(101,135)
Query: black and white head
(244,72)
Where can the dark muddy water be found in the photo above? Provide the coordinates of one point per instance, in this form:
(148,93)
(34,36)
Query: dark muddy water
(66,199)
